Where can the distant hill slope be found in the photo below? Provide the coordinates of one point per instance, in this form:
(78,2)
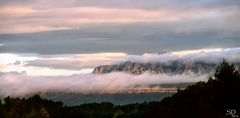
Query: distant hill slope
(175,67)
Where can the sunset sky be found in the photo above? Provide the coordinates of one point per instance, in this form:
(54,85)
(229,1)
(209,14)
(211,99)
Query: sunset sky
(61,38)
(49,15)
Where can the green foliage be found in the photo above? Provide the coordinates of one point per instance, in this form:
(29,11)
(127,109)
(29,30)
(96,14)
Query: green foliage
(203,100)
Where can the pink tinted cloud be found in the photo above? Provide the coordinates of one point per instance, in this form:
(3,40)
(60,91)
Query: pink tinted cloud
(23,19)
(20,85)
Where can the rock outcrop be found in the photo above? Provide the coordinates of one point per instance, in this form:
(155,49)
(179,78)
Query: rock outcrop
(175,67)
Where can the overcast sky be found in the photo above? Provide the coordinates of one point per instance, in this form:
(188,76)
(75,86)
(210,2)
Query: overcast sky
(128,26)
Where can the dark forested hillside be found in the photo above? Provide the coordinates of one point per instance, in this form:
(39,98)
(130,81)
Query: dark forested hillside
(212,99)
(217,98)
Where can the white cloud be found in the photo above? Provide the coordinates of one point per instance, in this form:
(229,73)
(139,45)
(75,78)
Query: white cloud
(20,85)
(17,63)
(78,61)
(215,55)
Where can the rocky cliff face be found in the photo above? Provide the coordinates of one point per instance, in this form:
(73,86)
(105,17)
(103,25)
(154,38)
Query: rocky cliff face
(175,67)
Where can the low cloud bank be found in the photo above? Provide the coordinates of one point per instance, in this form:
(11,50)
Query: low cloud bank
(215,55)
(76,62)
(21,85)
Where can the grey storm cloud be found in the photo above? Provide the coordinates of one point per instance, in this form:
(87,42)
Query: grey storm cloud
(154,37)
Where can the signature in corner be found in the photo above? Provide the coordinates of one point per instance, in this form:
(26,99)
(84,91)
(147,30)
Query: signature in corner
(232,113)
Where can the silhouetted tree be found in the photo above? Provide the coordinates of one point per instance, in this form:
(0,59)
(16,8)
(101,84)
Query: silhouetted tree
(226,72)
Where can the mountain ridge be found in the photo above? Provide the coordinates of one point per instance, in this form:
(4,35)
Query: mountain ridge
(172,68)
